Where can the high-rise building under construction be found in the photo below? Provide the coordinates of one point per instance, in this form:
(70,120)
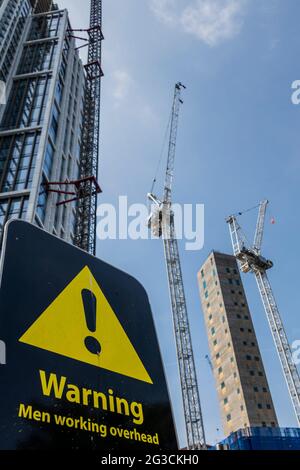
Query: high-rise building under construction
(243,391)
(41,122)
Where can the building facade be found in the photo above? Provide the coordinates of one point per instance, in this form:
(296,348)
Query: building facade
(243,391)
(262,439)
(41,122)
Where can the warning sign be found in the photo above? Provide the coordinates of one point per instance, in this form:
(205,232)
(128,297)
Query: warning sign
(84,370)
(81,324)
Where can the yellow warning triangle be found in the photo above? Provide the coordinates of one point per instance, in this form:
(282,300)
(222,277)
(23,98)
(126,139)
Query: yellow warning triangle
(62,329)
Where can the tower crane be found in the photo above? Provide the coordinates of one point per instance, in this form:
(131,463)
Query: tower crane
(162,224)
(251,260)
(83,191)
(85,230)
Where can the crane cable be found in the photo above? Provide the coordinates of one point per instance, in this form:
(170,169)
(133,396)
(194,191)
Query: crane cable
(246,211)
(161,153)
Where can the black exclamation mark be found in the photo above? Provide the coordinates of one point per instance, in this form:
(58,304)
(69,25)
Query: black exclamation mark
(90,309)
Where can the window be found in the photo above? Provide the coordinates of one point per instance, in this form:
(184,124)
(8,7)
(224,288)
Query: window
(218,293)
(42,202)
(218,356)
(214,272)
(265,390)
(59,91)
(204,285)
(232,291)
(228,417)
(228,270)
(206,294)
(223,319)
(264,424)
(3,213)
(226,331)
(210,317)
(250,331)
(248,357)
(238,391)
(70,167)
(18,157)
(235,271)
(66,139)
(48,160)
(255,389)
(260,374)
(216,283)
(26,103)
(240,292)
(230,281)
(222,385)
(208,305)
(253,344)
(231,359)
(235,375)
(236,304)
(12,209)
(256,358)
(64,216)
(246,317)
(259,406)
(54,123)
(37,57)
(245,343)
(45,26)
(237,282)
(213,331)
(215,342)
(220,370)
(252,373)
(269,407)
(57,216)
(273,424)
(12,23)
(225,401)
(242,408)
(242,330)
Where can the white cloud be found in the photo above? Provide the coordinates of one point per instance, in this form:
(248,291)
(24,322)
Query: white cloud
(164,10)
(122,84)
(211,21)
(124,87)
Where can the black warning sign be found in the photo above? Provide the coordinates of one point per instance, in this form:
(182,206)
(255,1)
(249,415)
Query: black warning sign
(84,370)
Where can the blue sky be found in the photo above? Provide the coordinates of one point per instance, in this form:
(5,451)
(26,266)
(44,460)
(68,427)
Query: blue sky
(237,144)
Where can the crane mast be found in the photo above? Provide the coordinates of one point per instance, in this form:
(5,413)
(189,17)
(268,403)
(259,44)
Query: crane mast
(250,260)
(86,212)
(162,224)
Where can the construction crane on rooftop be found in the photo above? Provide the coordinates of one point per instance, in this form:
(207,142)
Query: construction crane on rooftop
(251,260)
(162,224)
(88,189)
